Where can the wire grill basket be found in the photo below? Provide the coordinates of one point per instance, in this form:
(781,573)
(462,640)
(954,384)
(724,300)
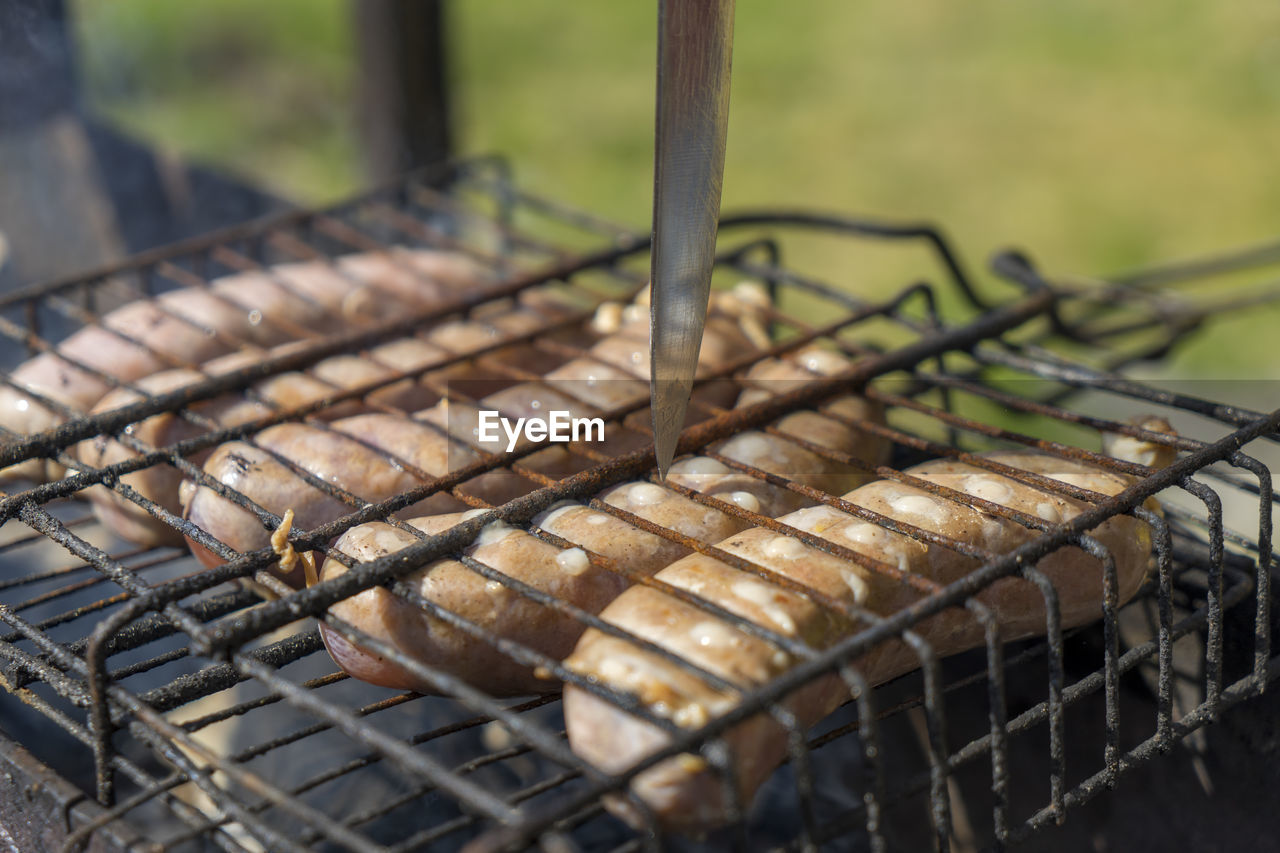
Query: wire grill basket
(201,712)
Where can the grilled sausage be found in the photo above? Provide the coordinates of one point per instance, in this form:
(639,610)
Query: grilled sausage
(607,535)
(194,324)
(683,792)
(365,471)
(447,430)
(160,483)
(568,574)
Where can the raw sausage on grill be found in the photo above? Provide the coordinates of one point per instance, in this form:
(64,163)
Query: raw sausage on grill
(570,574)
(160,483)
(682,791)
(443,438)
(194,324)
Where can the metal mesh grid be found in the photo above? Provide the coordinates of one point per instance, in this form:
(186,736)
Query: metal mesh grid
(215,717)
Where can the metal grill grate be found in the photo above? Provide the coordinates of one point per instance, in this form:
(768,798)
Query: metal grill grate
(202,714)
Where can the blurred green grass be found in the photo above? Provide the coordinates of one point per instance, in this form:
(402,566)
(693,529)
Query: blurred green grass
(1100,136)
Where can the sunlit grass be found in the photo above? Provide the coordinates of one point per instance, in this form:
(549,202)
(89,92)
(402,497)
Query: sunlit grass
(1099,136)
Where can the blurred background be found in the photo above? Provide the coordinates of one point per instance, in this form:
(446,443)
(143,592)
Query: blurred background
(1098,136)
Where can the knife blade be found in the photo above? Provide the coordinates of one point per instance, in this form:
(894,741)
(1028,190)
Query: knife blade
(695,47)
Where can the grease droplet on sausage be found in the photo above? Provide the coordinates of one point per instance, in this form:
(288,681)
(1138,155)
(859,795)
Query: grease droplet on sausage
(856,585)
(762,596)
(783,547)
(916,505)
(716,634)
(866,534)
(749,448)
(1048,512)
(815,519)
(699,465)
(987,488)
(574,561)
(494,532)
(646,494)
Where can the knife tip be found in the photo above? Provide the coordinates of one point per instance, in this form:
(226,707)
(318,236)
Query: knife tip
(665,453)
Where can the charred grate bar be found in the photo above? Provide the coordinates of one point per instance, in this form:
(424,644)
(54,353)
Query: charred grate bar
(201,712)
